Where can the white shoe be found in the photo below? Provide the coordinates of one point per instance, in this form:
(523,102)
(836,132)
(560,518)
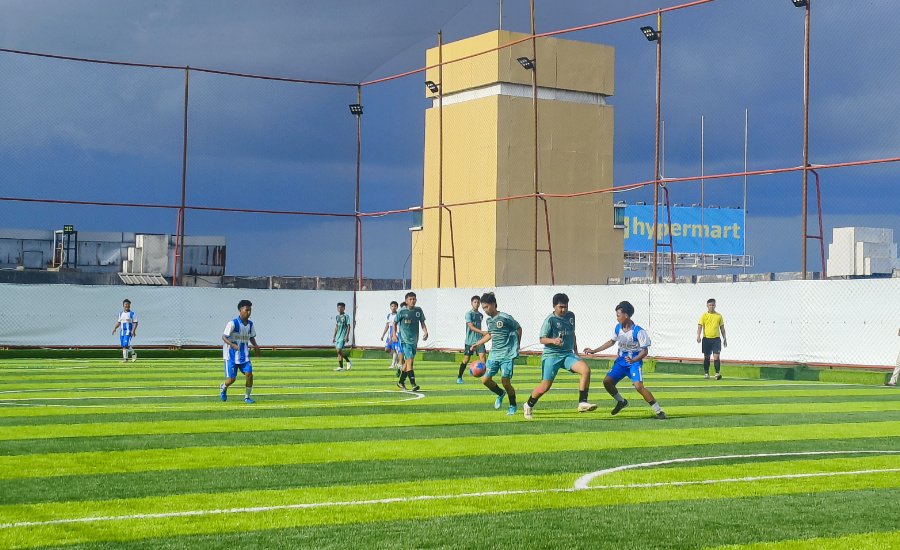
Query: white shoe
(349,365)
(338,369)
(706,376)
(133,357)
(529,411)
(124,360)
(584,407)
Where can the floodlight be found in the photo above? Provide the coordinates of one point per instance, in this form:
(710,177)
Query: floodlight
(526,63)
(641,203)
(432,87)
(651,34)
(356,109)
(799,3)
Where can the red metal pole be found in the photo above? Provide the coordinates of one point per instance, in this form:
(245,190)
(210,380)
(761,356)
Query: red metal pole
(175,258)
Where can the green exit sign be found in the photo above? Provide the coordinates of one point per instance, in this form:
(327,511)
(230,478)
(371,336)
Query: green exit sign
(68,229)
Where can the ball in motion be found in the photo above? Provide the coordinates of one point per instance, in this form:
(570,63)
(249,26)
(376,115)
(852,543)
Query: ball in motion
(477,369)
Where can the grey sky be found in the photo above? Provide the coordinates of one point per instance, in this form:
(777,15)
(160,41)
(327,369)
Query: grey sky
(92,132)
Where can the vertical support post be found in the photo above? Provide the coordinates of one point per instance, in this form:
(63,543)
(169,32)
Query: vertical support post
(175,257)
(180,258)
(805,140)
(357,246)
(440,210)
(534,102)
(702,190)
(656,155)
(746,142)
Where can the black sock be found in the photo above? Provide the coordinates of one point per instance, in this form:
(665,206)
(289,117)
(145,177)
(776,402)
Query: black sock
(532,401)
(497,389)
(706,364)
(651,403)
(412,377)
(512,400)
(402,377)
(462,369)
(341,363)
(582,396)
(718,366)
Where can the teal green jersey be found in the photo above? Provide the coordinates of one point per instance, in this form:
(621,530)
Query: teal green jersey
(408,321)
(342,321)
(504,340)
(559,327)
(475,318)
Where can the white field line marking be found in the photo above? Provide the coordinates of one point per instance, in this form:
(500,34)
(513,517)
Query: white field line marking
(211,388)
(583,481)
(309,505)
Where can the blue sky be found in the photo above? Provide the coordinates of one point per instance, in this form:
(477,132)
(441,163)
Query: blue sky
(94,132)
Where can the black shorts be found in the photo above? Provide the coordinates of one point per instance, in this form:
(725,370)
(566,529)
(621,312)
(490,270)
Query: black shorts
(712,345)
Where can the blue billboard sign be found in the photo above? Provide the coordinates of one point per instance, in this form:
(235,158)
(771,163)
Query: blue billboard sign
(721,231)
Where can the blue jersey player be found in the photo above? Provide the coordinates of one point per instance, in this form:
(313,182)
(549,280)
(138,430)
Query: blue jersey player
(238,336)
(390,346)
(634,343)
(128,323)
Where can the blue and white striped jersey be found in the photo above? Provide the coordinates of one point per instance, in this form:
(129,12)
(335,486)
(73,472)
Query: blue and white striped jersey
(128,319)
(631,341)
(240,334)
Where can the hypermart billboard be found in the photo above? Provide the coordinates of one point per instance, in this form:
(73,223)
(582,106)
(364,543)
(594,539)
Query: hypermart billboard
(721,231)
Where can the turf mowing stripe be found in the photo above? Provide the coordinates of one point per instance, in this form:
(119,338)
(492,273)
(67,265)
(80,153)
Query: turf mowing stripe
(240,520)
(63,464)
(863,541)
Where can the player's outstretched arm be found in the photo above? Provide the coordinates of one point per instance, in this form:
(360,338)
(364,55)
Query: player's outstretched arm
(484,340)
(605,345)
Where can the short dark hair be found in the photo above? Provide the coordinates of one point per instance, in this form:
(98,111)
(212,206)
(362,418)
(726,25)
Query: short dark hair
(473,298)
(126,301)
(403,304)
(711,301)
(626,308)
(394,303)
(488,298)
(342,304)
(410,294)
(560,299)
(243,303)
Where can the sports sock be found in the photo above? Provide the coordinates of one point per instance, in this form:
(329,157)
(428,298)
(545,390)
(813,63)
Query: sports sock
(618,397)
(656,408)
(124,353)
(532,401)
(582,396)
(718,365)
(247,392)
(394,359)
(462,369)
(403,376)
(497,389)
(412,377)
(706,364)
(512,399)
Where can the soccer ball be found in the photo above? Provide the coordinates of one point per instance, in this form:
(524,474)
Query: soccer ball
(477,369)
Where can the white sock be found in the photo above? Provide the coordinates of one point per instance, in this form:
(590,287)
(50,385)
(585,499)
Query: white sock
(618,397)
(131,350)
(656,408)
(247,392)
(124,353)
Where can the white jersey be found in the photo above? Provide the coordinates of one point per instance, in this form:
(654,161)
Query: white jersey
(631,341)
(240,334)
(127,319)
(390,332)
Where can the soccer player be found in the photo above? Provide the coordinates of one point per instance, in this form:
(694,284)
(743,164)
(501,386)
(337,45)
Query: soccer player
(389,345)
(341,337)
(633,344)
(505,334)
(896,374)
(406,331)
(473,333)
(239,334)
(558,337)
(710,324)
(128,322)
(395,341)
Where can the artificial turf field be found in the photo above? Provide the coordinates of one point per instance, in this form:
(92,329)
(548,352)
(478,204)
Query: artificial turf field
(98,454)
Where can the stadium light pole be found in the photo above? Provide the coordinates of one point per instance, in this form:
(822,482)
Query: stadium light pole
(356,110)
(656,36)
(804,214)
(179,257)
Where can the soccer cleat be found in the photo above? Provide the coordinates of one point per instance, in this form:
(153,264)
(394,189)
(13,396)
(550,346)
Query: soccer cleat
(529,411)
(133,357)
(459,381)
(415,387)
(401,385)
(890,384)
(512,410)
(584,407)
(718,376)
(339,369)
(248,400)
(349,365)
(499,400)
(661,415)
(222,393)
(124,360)
(706,376)
(619,406)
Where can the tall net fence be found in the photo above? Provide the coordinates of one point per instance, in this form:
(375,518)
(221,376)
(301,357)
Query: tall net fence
(271,163)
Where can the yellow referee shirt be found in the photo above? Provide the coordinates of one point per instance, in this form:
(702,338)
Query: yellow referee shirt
(711,323)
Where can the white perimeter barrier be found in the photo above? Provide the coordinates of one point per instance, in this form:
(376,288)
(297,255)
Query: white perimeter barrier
(837,321)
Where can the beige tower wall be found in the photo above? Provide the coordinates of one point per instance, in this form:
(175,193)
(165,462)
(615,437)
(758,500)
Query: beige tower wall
(488,152)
